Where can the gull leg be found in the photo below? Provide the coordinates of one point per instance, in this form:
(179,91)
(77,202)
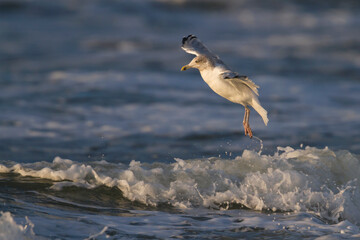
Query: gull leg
(246,124)
(244,121)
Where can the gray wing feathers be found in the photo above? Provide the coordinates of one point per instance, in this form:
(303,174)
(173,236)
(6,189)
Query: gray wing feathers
(191,44)
(237,80)
(228,74)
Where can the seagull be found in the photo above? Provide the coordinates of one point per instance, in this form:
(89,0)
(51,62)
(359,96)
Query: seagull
(223,81)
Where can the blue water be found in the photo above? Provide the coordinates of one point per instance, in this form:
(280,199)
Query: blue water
(99,83)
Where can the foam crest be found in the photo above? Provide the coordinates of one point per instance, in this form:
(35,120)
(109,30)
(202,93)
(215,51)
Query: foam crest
(313,180)
(9,229)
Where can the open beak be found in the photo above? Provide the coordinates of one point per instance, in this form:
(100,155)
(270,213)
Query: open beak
(184,67)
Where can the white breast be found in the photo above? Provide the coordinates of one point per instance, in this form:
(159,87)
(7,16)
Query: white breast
(219,85)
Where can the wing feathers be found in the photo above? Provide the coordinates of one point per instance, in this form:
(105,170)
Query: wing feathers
(243,80)
(191,44)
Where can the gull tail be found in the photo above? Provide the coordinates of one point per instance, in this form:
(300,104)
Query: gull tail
(262,112)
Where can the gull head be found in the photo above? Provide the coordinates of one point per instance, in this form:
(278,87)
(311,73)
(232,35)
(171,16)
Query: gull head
(199,62)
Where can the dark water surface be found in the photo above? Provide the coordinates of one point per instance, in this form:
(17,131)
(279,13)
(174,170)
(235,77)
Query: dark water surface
(99,82)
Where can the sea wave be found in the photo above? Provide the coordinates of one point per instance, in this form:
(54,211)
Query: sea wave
(9,229)
(318,181)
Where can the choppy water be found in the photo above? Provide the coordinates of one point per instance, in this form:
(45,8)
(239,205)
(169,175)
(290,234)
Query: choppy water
(153,152)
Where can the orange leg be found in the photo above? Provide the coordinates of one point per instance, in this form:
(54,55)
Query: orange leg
(244,121)
(246,124)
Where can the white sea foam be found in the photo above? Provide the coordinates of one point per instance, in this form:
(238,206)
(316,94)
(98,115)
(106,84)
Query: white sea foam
(10,230)
(313,180)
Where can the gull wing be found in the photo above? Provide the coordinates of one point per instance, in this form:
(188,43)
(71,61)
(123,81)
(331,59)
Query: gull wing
(191,44)
(239,81)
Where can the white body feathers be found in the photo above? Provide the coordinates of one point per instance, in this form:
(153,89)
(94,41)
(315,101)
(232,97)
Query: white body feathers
(237,90)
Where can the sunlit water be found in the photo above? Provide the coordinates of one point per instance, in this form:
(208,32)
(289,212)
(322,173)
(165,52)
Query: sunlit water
(102,136)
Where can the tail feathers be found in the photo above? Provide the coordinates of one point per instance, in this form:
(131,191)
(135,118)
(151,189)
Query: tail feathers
(262,112)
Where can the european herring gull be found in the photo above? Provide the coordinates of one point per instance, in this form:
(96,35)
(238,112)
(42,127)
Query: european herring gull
(228,84)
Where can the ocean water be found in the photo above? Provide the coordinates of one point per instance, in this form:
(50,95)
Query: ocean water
(102,136)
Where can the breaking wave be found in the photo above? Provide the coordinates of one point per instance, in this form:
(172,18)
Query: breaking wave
(319,181)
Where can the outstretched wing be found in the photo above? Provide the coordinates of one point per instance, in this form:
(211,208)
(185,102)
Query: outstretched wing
(191,44)
(239,81)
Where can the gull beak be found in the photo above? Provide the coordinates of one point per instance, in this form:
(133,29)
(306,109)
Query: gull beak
(184,67)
